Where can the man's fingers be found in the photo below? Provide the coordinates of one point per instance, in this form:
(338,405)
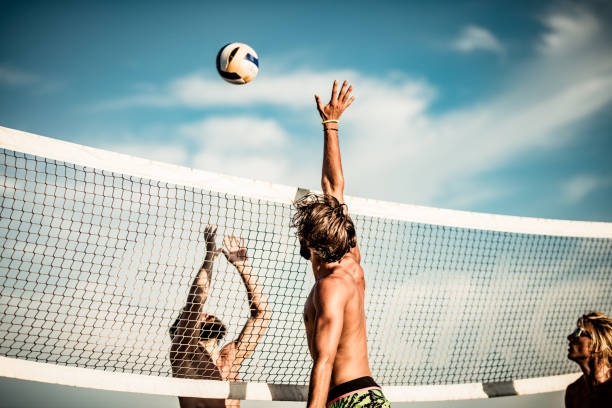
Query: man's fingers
(232,241)
(243,242)
(226,242)
(319,104)
(210,230)
(334,89)
(342,91)
(347,94)
(225,252)
(349,102)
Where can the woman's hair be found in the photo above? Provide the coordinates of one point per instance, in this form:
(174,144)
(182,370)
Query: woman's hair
(600,327)
(324,226)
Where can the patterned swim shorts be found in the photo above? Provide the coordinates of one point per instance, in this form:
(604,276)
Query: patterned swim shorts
(358,393)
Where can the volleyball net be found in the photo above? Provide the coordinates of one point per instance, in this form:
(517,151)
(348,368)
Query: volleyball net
(100,249)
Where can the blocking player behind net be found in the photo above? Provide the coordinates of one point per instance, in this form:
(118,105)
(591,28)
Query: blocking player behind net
(334,313)
(195,351)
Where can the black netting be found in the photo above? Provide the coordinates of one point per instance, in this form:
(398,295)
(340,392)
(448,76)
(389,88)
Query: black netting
(96,267)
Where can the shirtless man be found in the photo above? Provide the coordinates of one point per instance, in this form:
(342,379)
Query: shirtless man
(334,313)
(590,346)
(195,351)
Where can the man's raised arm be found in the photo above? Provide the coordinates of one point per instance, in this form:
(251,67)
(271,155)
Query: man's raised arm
(332,179)
(258,322)
(190,319)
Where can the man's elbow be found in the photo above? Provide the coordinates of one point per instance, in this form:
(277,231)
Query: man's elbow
(332,187)
(324,359)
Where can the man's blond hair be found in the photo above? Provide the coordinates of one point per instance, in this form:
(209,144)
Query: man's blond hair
(324,226)
(600,327)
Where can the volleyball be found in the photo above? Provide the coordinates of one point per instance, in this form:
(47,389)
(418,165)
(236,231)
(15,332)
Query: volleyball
(237,63)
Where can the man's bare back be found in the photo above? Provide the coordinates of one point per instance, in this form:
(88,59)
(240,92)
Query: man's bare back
(352,354)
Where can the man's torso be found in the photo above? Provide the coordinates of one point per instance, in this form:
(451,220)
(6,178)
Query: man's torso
(351,356)
(580,394)
(198,364)
(193,362)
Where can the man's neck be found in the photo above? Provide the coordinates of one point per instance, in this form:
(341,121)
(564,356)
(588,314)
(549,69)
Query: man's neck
(600,374)
(595,371)
(321,269)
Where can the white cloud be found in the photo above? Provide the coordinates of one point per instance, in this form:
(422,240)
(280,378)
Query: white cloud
(250,165)
(393,147)
(245,146)
(200,90)
(569,30)
(19,78)
(465,195)
(421,157)
(236,133)
(577,188)
(174,154)
(13,77)
(474,38)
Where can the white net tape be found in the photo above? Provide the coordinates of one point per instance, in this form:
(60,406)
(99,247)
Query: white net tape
(96,266)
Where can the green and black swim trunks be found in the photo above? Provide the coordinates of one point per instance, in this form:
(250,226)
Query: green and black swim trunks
(358,393)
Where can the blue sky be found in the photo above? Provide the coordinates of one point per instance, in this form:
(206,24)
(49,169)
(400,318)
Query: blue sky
(499,107)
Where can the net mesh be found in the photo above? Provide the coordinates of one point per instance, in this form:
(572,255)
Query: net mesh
(96,266)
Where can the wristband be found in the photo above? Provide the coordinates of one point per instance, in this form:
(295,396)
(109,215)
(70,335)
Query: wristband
(330,121)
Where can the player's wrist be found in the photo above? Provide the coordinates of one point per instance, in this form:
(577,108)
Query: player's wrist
(330,125)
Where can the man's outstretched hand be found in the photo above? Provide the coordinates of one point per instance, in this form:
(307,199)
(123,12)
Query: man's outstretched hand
(337,104)
(235,251)
(210,233)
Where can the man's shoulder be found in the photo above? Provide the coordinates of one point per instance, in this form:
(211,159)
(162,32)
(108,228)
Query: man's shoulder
(337,278)
(606,388)
(336,284)
(351,268)
(576,385)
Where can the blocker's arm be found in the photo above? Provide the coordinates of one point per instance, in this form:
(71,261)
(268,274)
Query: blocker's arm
(190,320)
(258,322)
(332,179)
